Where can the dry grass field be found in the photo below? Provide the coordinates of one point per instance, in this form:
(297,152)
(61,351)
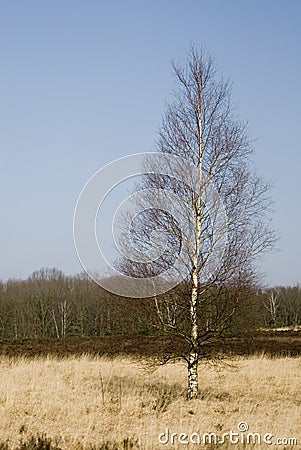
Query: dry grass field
(86,401)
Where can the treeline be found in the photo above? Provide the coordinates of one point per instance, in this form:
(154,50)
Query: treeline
(282,306)
(51,304)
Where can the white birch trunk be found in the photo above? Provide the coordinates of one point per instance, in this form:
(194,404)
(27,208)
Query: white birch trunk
(193,361)
(193,384)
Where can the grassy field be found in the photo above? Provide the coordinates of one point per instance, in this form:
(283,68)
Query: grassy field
(101,403)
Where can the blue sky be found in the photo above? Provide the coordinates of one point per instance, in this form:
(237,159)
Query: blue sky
(85,82)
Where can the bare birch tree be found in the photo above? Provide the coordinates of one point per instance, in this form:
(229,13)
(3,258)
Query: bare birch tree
(272,305)
(200,126)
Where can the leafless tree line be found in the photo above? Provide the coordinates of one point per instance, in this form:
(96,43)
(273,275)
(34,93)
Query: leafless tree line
(282,306)
(50,304)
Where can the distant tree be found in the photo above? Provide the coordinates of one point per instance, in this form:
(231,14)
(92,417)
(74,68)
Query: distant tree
(271,304)
(289,305)
(47,294)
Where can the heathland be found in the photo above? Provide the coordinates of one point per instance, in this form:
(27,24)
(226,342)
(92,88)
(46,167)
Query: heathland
(51,400)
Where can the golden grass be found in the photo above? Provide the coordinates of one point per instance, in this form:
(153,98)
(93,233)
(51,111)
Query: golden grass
(90,400)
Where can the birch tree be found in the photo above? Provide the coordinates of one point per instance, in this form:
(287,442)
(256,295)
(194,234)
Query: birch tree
(200,126)
(272,305)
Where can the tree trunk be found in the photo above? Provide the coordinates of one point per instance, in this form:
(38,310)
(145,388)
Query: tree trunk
(194,350)
(194,354)
(55,324)
(193,382)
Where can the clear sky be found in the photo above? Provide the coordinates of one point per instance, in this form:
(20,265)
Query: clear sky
(85,82)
